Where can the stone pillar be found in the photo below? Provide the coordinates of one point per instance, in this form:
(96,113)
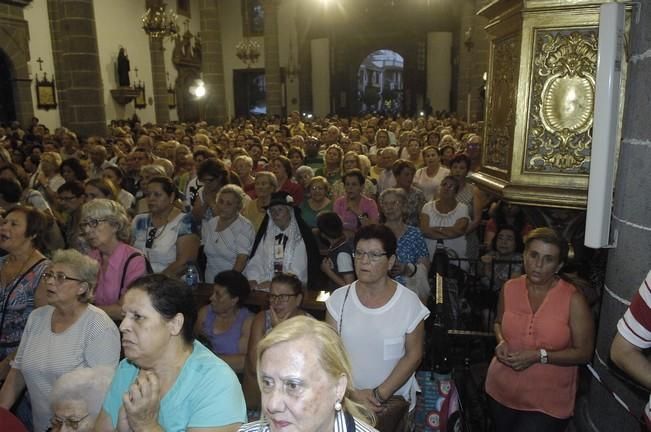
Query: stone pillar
(472,59)
(272,57)
(439,70)
(212,62)
(76,63)
(629,261)
(320,49)
(159,81)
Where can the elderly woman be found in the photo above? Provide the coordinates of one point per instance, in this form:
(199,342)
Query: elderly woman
(284,243)
(323,400)
(332,159)
(532,379)
(227,238)
(243,167)
(352,160)
(296,156)
(146,172)
(403,172)
(412,255)
(21,229)
(66,334)
(71,199)
(429,178)
(412,152)
(318,201)
(47,178)
(116,176)
(354,208)
(256,209)
(76,398)
(446,219)
(303,175)
(105,226)
(99,188)
(470,195)
(168,380)
(381,323)
(165,234)
(212,175)
(71,169)
(225,322)
(285,298)
(282,169)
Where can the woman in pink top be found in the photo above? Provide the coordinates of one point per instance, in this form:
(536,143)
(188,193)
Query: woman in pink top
(355,209)
(105,225)
(544,329)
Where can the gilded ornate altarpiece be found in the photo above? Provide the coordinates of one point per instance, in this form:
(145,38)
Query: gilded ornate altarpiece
(540,97)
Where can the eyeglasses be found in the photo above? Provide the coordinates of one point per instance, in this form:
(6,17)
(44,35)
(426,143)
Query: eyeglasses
(67,198)
(151,236)
(90,223)
(58,422)
(59,277)
(280,298)
(372,256)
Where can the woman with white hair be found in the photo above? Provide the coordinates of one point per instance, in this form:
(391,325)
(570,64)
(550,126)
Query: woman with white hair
(105,226)
(66,334)
(284,243)
(227,238)
(76,398)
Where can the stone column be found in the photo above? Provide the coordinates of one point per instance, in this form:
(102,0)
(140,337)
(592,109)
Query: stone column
(159,82)
(212,62)
(74,45)
(629,261)
(272,57)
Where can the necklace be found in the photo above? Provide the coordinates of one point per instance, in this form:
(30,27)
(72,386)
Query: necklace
(6,277)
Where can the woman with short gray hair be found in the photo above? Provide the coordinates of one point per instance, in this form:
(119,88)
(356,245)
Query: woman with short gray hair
(66,334)
(228,237)
(106,228)
(77,397)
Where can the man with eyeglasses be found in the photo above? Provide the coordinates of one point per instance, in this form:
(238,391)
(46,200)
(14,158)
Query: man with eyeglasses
(381,323)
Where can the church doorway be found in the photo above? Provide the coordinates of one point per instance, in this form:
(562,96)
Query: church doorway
(249,87)
(380,86)
(7,103)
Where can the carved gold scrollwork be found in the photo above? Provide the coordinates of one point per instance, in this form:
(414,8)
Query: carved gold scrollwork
(501,103)
(562,98)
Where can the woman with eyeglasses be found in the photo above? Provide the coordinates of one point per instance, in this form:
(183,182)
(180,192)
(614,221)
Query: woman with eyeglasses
(67,334)
(227,238)
(77,397)
(21,231)
(165,235)
(283,244)
(318,201)
(212,175)
(106,229)
(285,298)
(382,326)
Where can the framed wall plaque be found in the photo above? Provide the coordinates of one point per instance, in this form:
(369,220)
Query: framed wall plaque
(45,93)
(140,101)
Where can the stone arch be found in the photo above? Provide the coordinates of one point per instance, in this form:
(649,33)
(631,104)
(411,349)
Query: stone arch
(349,54)
(380,78)
(14,44)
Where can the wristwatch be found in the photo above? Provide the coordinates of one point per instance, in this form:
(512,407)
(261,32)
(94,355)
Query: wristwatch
(544,359)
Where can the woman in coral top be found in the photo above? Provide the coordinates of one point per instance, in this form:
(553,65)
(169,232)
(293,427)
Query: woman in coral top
(544,329)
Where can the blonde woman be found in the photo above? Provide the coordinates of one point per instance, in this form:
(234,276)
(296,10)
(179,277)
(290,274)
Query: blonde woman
(321,400)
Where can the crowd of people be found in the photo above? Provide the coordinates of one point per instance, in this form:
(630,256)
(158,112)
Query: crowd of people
(99,231)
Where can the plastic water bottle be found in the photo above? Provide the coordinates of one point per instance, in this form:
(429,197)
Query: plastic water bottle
(191,275)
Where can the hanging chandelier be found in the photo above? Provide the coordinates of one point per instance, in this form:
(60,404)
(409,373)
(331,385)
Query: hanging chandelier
(158,23)
(248,51)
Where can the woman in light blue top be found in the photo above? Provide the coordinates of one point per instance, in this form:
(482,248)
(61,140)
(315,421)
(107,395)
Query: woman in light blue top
(168,381)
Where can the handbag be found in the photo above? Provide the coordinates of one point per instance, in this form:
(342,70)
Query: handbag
(394,416)
(437,405)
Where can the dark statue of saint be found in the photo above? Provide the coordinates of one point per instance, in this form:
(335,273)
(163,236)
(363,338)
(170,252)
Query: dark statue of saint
(123,69)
